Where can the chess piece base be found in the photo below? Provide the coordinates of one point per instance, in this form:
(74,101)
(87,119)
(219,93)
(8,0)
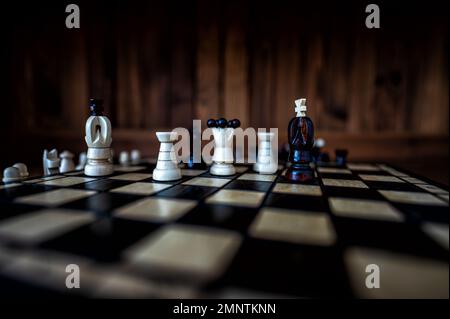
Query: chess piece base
(165,175)
(222,169)
(98,168)
(265,168)
(299,173)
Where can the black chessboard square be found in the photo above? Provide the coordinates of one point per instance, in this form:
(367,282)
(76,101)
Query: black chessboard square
(23,190)
(8,209)
(399,237)
(303,271)
(102,185)
(208,174)
(392,186)
(249,185)
(351,192)
(102,203)
(312,203)
(188,192)
(103,240)
(282,179)
(338,176)
(222,216)
(438,214)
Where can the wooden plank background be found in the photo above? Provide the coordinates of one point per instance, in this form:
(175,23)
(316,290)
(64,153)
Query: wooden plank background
(382,94)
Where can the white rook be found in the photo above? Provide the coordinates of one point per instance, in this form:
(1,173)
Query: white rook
(223,152)
(167,164)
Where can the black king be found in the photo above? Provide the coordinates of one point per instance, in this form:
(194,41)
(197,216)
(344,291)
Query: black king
(301,141)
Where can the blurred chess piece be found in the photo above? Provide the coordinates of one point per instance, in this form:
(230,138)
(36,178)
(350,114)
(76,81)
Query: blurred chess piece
(23,170)
(135,157)
(223,159)
(98,139)
(11,175)
(51,162)
(67,164)
(81,161)
(341,157)
(124,158)
(301,141)
(167,164)
(267,158)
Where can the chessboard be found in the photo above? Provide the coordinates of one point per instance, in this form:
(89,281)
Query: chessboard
(359,231)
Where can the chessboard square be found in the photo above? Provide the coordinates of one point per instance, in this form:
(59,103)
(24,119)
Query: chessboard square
(187,250)
(236,198)
(415,198)
(364,209)
(438,232)
(192,172)
(207,181)
(444,197)
(127,169)
(35,227)
(155,209)
(362,167)
(134,177)
(141,188)
(298,227)
(333,170)
(54,197)
(413,180)
(67,181)
(297,189)
(401,276)
(5,186)
(343,183)
(432,189)
(380,178)
(257,177)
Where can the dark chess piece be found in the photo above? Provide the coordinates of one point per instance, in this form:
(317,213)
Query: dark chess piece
(341,157)
(301,141)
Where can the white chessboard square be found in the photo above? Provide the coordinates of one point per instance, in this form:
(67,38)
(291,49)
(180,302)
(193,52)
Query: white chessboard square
(141,188)
(188,250)
(297,189)
(363,167)
(192,172)
(258,177)
(392,171)
(153,209)
(207,181)
(352,183)
(42,225)
(55,197)
(401,276)
(438,232)
(236,198)
(444,197)
(415,198)
(127,169)
(333,170)
(67,181)
(364,209)
(413,180)
(432,189)
(134,177)
(381,178)
(41,179)
(294,226)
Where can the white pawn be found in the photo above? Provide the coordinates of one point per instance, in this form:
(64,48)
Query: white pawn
(81,161)
(124,158)
(167,164)
(11,174)
(135,157)
(23,170)
(67,164)
(51,162)
(267,159)
(98,139)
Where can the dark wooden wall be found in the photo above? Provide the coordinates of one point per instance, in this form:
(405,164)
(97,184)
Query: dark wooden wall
(160,64)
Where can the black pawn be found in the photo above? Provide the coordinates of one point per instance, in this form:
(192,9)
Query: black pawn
(341,157)
(96,107)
